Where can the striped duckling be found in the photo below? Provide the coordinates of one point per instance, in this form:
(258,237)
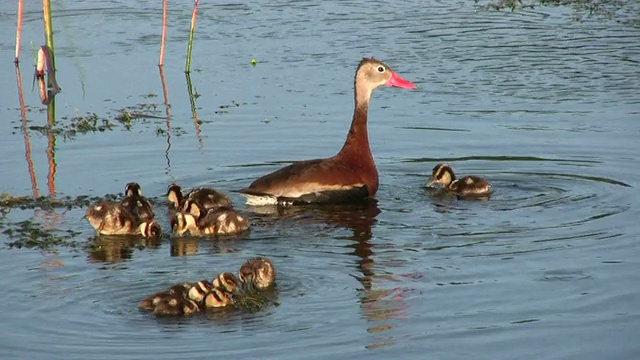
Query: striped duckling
(198,221)
(465,186)
(137,205)
(172,302)
(207,198)
(188,298)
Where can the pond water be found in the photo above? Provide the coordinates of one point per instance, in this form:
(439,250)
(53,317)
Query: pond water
(543,103)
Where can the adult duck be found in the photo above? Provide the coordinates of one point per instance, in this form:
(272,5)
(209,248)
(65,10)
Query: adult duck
(348,176)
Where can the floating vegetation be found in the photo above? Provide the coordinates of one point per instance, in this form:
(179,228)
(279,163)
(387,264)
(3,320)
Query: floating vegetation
(254,300)
(30,234)
(76,125)
(7,202)
(70,127)
(224,109)
(177,131)
(608,8)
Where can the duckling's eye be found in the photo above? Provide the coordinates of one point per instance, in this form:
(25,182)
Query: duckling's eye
(380,69)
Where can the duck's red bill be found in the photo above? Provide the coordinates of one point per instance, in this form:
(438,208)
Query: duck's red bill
(397,81)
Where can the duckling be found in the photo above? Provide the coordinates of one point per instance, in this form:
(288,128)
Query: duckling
(218,298)
(110,218)
(258,272)
(207,198)
(199,291)
(150,229)
(133,202)
(199,222)
(226,281)
(466,186)
(179,290)
(176,305)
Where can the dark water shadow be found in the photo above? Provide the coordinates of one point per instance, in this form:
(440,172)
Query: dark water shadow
(379,304)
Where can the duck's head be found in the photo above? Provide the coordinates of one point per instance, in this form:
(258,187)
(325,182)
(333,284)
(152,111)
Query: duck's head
(259,272)
(373,73)
(133,188)
(174,195)
(442,174)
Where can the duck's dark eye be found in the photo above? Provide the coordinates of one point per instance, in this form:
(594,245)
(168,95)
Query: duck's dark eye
(380,69)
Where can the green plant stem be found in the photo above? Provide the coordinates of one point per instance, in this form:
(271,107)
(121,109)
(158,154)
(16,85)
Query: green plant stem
(187,68)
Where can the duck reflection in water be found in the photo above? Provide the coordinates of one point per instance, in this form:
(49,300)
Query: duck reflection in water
(378,305)
(117,248)
(191,245)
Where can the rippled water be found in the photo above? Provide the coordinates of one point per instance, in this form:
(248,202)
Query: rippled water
(542,102)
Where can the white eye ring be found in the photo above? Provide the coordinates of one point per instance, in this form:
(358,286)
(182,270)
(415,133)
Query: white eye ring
(380,69)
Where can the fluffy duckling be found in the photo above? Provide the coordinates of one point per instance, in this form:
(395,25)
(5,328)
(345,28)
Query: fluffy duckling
(207,198)
(466,186)
(179,290)
(175,306)
(133,202)
(218,298)
(227,281)
(199,222)
(199,291)
(187,298)
(259,272)
(110,218)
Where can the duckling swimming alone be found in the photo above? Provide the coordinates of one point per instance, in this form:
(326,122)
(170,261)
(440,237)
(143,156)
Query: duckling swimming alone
(466,186)
(259,272)
(110,218)
(207,198)
(139,207)
(218,221)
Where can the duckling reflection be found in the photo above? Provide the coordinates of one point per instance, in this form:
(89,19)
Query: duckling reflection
(468,186)
(207,198)
(117,248)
